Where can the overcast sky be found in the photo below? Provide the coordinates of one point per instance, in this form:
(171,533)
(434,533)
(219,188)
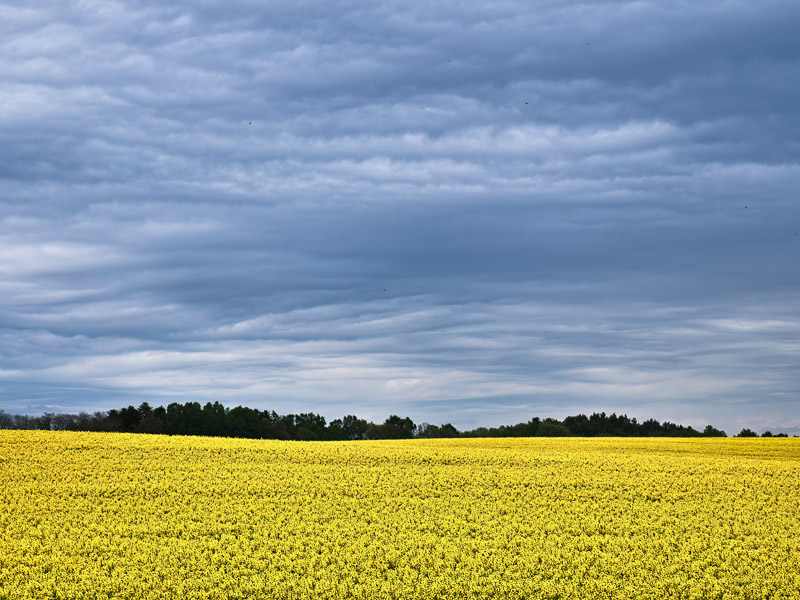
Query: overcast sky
(465,211)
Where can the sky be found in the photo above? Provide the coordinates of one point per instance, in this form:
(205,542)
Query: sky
(458,211)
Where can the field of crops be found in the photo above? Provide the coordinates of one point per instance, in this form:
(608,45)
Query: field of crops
(87,515)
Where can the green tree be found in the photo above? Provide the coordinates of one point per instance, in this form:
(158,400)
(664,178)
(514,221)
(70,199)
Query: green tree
(552,429)
(395,428)
(710,431)
(214,419)
(349,427)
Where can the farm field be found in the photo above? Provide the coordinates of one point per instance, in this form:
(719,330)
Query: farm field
(92,515)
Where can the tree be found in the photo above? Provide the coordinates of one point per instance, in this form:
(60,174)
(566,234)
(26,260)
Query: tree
(130,418)
(173,420)
(45,421)
(245,422)
(6,420)
(64,421)
(111,421)
(193,418)
(214,419)
(710,431)
(552,428)
(650,427)
(426,430)
(448,430)
(396,428)
(529,429)
(349,427)
(150,421)
(578,425)
(310,426)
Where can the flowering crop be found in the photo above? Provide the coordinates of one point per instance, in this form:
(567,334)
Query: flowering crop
(92,515)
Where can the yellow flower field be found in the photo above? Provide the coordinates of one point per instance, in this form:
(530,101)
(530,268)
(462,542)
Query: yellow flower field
(86,515)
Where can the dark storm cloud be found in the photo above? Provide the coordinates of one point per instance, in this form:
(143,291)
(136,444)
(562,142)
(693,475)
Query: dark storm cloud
(465,212)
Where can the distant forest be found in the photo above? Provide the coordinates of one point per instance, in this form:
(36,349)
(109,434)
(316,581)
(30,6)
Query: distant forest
(216,420)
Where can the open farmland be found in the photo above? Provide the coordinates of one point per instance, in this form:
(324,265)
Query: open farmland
(87,515)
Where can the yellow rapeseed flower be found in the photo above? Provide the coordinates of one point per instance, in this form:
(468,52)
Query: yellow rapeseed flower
(91,515)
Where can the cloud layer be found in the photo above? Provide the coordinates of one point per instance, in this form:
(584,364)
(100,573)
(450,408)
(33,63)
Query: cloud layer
(462,212)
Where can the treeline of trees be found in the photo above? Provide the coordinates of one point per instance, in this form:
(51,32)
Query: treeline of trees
(217,420)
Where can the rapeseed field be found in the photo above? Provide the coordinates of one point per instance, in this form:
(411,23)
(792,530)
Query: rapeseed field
(92,515)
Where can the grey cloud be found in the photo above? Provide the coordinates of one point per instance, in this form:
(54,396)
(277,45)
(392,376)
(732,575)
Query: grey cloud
(208,201)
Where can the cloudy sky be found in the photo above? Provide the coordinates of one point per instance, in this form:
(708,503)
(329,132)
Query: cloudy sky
(464,211)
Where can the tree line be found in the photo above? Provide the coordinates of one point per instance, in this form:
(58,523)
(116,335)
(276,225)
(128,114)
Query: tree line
(214,419)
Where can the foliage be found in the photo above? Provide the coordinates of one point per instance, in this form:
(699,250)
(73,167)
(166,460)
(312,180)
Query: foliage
(219,421)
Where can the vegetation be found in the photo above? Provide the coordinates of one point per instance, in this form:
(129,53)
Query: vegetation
(124,516)
(218,421)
